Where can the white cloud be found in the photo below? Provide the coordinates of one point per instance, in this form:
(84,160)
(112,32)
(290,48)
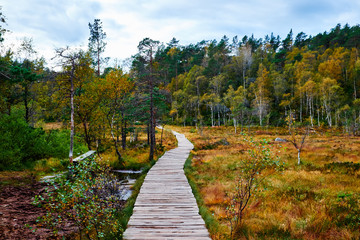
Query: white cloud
(53,23)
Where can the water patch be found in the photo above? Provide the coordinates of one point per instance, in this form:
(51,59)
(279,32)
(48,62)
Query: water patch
(127,179)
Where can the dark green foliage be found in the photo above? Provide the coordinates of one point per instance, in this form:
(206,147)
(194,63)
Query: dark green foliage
(19,143)
(343,167)
(96,43)
(57,144)
(2,21)
(347,36)
(276,232)
(346,210)
(221,142)
(300,193)
(22,144)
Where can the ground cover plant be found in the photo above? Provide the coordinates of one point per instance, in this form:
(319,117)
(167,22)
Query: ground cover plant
(318,199)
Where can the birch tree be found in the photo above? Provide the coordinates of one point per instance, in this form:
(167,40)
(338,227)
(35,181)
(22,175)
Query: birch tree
(261,92)
(330,91)
(310,89)
(236,101)
(243,61)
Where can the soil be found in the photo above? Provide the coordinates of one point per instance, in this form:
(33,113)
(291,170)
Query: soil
(17,213)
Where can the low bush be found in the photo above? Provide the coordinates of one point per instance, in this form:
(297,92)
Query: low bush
(345,209)
(21,145)
(88,196)
(343,167)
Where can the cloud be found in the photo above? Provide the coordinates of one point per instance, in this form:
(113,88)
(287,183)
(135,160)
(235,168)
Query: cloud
(316,16)
(60,22)
(53,23)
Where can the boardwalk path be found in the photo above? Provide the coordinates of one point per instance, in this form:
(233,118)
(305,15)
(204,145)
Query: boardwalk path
(165,207)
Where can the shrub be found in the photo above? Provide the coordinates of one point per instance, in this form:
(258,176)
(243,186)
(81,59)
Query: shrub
(57,144)
(22,144)
(343,167)
(346,210)
(19,142)
(259,158)
(89,197)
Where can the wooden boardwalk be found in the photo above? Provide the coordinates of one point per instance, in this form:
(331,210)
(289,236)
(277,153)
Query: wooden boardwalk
(165,207)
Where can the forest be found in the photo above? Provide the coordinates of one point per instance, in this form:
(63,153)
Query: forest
(239,84)
(211,83)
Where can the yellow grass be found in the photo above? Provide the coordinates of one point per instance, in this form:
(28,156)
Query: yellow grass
(297,203)
(52,126)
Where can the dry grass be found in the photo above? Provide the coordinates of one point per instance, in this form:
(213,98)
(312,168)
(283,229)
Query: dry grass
(52,126)
(136,155)
(302,202)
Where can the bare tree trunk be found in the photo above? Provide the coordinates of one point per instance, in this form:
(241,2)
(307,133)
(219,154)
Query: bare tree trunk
(311,111)
(87,137)
(123,133)
(26,103)
(98,60)
(114,138)
(212,115)
(198,118)
(224,116)
(301,106)
(243,73)
(72,125)
(117,132)
(355,96)
(162,131)
(148,133)
(235,124)
(219,118)
(152,117)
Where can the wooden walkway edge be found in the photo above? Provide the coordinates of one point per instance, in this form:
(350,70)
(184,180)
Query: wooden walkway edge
(165,207)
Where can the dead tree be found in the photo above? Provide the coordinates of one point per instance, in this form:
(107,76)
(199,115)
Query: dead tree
(69,61)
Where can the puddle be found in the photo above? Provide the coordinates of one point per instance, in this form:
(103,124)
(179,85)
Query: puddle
(127,180)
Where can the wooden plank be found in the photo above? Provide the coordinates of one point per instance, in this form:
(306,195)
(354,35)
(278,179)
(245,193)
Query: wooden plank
(165,207)
(85,155)
(76,160)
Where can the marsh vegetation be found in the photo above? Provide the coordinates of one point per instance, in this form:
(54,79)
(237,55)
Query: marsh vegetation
(318,199)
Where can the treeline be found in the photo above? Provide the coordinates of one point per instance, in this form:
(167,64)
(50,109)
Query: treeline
(259,81)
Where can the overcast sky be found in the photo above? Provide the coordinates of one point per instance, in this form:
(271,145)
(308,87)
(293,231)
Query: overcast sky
(54,23)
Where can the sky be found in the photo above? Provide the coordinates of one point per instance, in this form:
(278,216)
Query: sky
(53,24)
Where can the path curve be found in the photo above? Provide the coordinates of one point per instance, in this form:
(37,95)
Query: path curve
(165,207)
